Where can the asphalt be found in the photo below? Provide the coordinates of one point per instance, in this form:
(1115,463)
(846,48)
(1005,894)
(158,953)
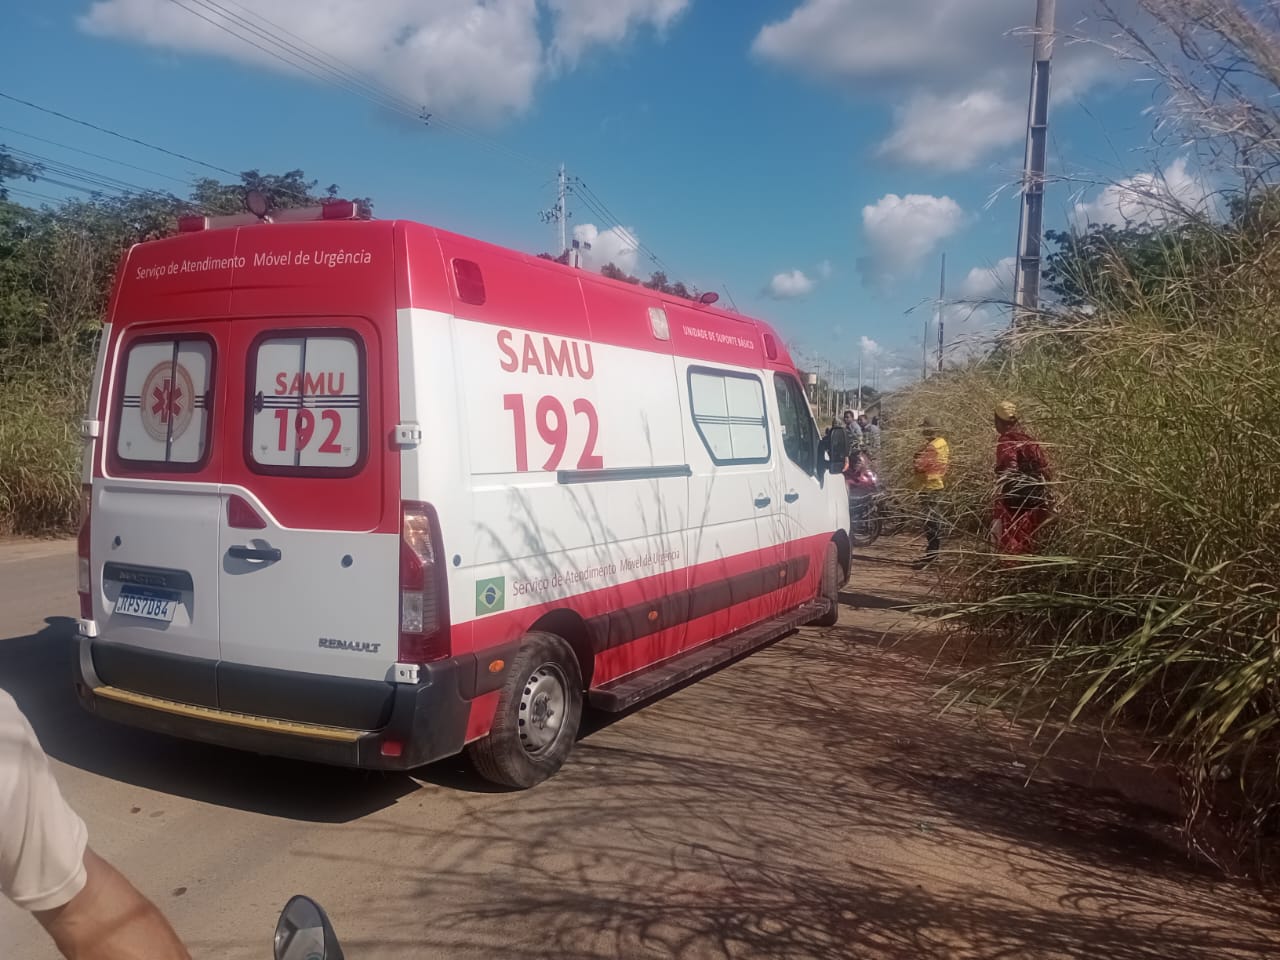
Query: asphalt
(810,801)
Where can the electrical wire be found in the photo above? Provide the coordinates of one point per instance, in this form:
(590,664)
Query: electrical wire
(113,133)
(33,193)
(92,177)
(96,156)
(336,72)
(592,199)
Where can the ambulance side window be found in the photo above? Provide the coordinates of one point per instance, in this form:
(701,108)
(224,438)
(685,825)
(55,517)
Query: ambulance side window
(307,404)
(162,420)
(798,431)
(729,413)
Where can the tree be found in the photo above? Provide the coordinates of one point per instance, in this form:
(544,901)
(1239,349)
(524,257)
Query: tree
(657,281)
(615,272)
(11,168)
(291,189)
(57,263)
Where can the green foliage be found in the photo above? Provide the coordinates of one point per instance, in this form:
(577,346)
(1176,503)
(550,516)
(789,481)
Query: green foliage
(657,281)
(11,168)
(291,189)
(1154,597)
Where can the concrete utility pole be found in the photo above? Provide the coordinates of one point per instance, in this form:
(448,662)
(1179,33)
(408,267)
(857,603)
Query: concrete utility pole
(560,211)
(942,295)
(857,406)
(1026,283)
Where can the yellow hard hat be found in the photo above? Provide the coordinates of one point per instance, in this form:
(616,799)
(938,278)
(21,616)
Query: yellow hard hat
(1006,411)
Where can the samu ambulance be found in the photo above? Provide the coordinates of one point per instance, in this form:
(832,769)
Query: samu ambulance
(369,493)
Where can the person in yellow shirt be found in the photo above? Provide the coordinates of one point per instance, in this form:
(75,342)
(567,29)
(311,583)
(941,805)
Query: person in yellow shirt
(930,467)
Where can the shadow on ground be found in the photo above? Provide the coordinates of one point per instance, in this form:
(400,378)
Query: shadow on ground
(810,802)
(37,671)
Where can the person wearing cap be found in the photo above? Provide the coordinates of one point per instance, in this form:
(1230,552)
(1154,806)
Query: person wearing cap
(1022,500)
(930,468)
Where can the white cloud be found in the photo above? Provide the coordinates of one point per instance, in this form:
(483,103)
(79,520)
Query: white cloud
(1148,198)
(989,283)
(869,347)
(789,285)
(950,68)
(580,24)
(478,58)
(824,269)
(617,245)
(953,132)
(902,231)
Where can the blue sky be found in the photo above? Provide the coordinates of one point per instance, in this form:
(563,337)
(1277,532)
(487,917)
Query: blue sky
(764,146)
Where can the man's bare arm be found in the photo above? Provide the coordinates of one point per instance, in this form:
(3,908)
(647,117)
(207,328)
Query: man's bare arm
(110,920)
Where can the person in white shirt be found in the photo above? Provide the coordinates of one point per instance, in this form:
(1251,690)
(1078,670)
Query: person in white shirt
(46,866)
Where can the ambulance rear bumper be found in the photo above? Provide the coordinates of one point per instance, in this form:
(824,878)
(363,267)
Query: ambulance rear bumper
(426,721)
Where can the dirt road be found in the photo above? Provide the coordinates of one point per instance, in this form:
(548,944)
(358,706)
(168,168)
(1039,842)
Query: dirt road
(805,802)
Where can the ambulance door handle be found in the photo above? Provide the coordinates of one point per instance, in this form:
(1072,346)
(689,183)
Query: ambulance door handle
(762,501)
(255,554)
(791,496)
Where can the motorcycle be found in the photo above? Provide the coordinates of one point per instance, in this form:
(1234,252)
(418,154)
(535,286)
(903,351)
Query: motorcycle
(304,932)
(866,519)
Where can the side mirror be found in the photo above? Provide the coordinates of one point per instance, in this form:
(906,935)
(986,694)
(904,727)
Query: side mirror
(304,932)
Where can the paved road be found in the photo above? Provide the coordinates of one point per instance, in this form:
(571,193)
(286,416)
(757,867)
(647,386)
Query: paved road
(807,802)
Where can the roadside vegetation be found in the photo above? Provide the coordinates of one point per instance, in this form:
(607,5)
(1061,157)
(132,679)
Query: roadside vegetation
(1153,604)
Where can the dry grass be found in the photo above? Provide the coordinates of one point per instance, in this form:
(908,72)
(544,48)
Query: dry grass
(41,404)
(1155,599)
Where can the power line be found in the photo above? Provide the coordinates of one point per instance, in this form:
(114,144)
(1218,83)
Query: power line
(337,72)
(33,193)
(588,194)
(312,60)
(93,177)
(97,156)
(119,136)
(223,26)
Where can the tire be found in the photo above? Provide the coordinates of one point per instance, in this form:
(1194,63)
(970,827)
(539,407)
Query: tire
(545,684)
(830,587)
(865,529)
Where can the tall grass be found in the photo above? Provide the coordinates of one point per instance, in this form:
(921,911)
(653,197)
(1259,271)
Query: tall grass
(1155,597)
(41,404)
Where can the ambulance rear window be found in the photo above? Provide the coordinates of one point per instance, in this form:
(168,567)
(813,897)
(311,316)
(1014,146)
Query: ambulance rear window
(163,415)
(306,407)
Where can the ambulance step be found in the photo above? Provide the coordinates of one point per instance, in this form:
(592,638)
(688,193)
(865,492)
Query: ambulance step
(630,690)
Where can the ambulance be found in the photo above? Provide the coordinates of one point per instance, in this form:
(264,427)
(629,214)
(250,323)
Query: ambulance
(369,493)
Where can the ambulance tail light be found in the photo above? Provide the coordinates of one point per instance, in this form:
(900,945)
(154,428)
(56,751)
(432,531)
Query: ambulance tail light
(83,578)
(424,603)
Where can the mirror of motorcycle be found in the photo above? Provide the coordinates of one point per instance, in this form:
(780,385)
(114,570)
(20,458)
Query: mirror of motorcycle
(304,932)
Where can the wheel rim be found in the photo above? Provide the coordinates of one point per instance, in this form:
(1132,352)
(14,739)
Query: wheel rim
(543,704)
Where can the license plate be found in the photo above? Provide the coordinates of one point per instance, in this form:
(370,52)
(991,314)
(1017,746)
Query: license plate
(149,604)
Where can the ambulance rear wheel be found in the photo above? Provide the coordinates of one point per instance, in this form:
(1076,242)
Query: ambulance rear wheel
(830,587)
(536,723)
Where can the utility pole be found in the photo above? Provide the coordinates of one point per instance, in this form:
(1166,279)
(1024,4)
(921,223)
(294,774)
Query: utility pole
(857,406)
(942,294)
(924,349)
(559,214)
(1026,283)
(560,210)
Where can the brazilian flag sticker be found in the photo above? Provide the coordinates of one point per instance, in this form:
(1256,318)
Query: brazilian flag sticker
(491,595)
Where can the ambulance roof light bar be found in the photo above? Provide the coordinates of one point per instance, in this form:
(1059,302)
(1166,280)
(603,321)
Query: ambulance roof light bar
(328,210)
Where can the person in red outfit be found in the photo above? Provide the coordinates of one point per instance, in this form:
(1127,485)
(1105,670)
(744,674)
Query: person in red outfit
(1022,503)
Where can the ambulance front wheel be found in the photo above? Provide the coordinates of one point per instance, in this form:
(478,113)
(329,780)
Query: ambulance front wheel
(536,723)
